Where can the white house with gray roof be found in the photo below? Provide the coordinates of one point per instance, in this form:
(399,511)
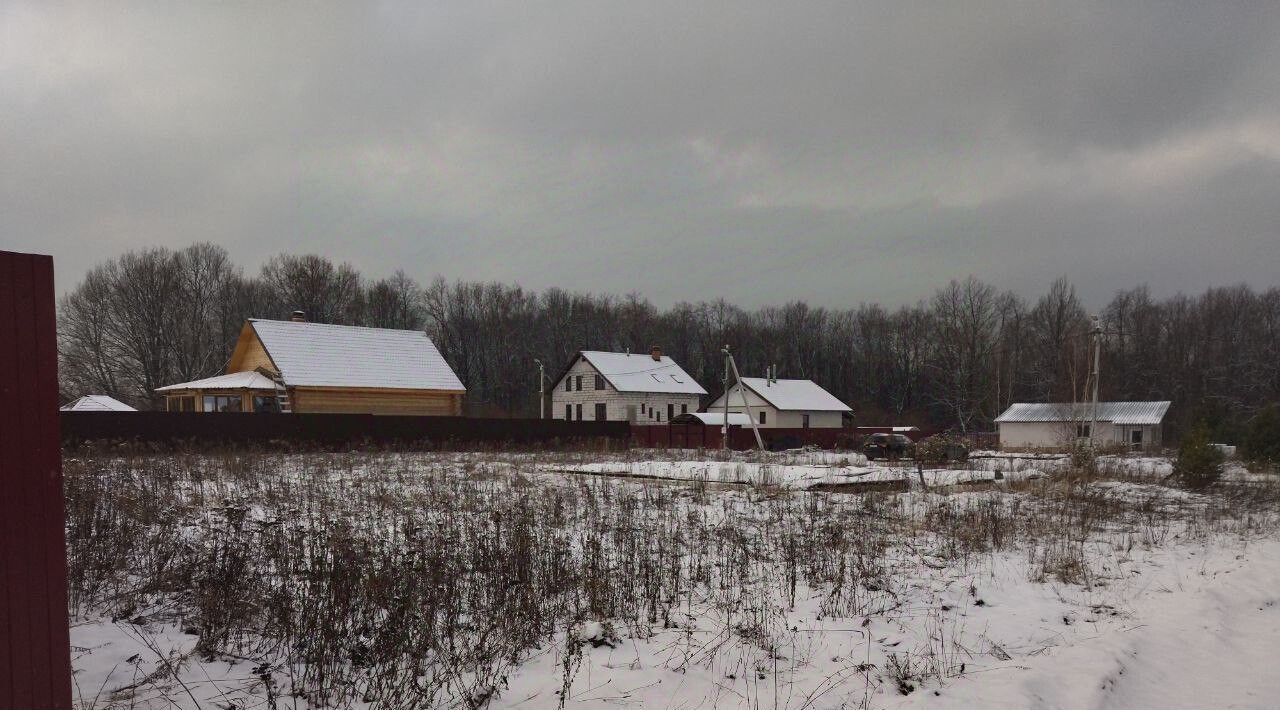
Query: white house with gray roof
(631,387)
(1058,425)
(787,404)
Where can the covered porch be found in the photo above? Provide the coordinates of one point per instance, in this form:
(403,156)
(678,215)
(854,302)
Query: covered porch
(237,392)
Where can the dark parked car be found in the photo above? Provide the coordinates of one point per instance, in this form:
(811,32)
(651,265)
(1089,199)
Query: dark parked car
(888,446)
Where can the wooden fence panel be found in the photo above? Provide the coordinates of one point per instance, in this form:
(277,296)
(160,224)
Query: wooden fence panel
(35,663)
(337,430)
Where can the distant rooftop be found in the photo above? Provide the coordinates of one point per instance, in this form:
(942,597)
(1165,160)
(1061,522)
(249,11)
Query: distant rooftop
(636,372)
(1132,413)
(795,395)
(97,403)
(323,355)
(234,381)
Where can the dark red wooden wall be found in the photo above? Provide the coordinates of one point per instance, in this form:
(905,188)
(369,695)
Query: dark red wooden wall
(35,664)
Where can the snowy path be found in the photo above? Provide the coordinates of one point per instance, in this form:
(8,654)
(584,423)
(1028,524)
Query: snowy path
(1207,636)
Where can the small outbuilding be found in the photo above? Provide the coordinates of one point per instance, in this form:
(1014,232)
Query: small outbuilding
(97,403)
(788,404)
(1059,425)
(716,419)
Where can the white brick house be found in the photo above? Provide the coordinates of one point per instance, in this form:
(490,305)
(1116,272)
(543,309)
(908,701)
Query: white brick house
(787,404)
(637,388)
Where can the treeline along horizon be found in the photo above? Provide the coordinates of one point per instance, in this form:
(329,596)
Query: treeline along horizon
(157,316)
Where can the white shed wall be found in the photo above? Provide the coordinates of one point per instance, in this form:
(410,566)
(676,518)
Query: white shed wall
(1060,435)
(1033,435)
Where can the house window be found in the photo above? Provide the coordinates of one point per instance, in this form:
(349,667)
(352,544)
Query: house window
(684,409)
(762,416)
(568,412)
(599,382)
(578,409)
(1135,437)
(1082,431)
(601,412)
(568,384)
(671,411)
(804,421)
(642,408)
(265,403)
(182,404)
(659,417)
(578,383)
(222,403)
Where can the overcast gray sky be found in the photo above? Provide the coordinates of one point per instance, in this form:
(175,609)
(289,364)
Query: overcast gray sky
(761,151)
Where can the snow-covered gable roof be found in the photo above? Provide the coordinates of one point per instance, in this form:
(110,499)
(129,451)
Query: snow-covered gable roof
(97,403)
(323,355)
(1125,413)
(234,381)
(641,373)
(795,395)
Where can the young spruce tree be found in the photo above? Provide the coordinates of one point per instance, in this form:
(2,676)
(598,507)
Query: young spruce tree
(1199,463)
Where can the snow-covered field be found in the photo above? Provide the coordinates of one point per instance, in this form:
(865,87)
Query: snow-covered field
(524,581)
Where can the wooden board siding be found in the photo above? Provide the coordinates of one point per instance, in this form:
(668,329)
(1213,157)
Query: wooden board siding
(249,353)
(320,400)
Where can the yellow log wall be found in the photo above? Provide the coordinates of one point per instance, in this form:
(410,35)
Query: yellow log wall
(308,400)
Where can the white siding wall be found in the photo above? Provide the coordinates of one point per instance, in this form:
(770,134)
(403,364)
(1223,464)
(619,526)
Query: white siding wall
(775,419)
(1033,435)
(1059,435)
(616,403)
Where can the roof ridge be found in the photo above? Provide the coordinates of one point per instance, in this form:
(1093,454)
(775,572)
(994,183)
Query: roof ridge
(337,325)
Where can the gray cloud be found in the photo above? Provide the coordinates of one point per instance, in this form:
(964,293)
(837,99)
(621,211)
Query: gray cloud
(835,152)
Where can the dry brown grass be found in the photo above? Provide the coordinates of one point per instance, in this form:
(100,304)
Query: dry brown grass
(422,580)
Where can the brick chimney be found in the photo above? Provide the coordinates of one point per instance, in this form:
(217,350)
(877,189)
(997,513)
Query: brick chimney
(298,317)
(656,353)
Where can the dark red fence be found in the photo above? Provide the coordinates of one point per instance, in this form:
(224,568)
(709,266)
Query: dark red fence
(35,655)
(693,436)
(337,430)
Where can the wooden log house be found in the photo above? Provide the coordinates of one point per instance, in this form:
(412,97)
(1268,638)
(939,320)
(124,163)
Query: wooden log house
(296,366)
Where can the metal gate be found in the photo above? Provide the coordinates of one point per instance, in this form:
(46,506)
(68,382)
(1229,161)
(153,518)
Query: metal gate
(35,664)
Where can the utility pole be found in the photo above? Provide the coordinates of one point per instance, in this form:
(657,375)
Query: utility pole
(724,440)
(542,388)
(742,390)
(1097,361)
